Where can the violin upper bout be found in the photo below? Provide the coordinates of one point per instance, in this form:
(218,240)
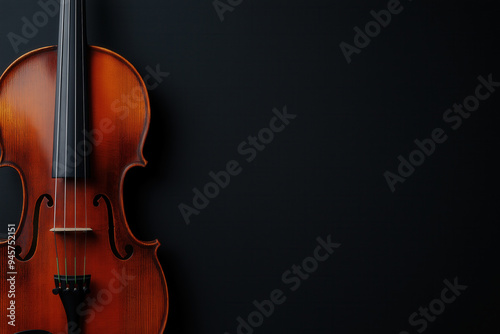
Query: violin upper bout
(119,105)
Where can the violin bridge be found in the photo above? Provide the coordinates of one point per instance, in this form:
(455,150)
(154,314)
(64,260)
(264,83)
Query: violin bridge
(70,229)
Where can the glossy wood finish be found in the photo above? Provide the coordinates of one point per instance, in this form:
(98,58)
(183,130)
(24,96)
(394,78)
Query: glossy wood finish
(127,296)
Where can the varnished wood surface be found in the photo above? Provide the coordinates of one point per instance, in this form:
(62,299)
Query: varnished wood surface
(119,110)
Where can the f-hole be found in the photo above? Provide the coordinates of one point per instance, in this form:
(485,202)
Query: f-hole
(36,219)
(129,250)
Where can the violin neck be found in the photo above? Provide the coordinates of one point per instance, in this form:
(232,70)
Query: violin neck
(71,117)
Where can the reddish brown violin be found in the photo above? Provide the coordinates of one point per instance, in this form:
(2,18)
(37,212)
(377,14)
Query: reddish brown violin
(73,265)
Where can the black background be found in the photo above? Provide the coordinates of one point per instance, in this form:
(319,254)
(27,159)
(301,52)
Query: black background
(323,175)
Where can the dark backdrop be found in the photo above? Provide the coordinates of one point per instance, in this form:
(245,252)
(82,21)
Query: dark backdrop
(323,174)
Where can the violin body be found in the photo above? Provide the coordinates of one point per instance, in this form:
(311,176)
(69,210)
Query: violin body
(127,292)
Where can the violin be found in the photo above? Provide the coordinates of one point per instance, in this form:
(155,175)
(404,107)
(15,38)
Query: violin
(73,265)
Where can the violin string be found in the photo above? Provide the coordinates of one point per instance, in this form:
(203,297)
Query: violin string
(84,143)
(58,112)
(75,148)
(66,157)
